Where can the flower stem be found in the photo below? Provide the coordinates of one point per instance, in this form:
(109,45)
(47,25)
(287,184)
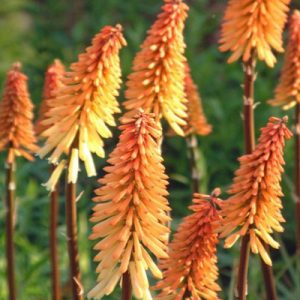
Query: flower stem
(192,145)
(126,287)
(56,292)
(71,220)
(10,210)
(249,134)
(297,177)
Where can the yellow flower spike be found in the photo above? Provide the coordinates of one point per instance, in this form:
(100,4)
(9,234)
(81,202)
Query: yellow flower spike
(157,82)
(132,210)
(85,104)
(254,25)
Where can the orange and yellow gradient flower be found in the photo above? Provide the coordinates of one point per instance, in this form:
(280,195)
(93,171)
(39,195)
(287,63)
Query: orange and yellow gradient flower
(84,107)
(53,82)
(16,116)
(255,205)
(191,270)
(132,210)
(157,82)
(254,25)
(196,120)
(287,93)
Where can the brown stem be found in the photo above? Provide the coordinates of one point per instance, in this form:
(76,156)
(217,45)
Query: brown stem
(249,133)
(192,145)
(10,210)
(56,292)
(126,287)
(71,219)
(297,175)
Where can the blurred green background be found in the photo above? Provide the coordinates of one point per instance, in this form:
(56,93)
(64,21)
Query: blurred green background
(37,32)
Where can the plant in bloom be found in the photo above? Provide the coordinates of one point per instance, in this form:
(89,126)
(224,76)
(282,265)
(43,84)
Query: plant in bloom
(254,25)
(16,128)
(191,270)
(84,107)
(53,82)
(287,92)
(157,82)
(254,207)
(131,211)
(196,119)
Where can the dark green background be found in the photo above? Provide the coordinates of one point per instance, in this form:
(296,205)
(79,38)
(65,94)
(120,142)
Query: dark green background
(36,32)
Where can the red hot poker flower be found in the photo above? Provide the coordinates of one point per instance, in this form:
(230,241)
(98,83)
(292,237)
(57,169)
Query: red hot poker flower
(287,92)
(255,205)
(191,270)
(254,25)
(157,81)
(86,104)
(132,210)
(16,129)
(53,82)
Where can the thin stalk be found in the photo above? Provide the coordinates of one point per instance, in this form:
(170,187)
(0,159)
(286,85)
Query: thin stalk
(126,287)
(192,145)
(10,210)
(297,173)
(249,134)
(71,220)
(56,292)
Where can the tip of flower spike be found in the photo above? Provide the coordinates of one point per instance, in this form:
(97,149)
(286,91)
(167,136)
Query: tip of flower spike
(119,27)
(17,66)
(216,192)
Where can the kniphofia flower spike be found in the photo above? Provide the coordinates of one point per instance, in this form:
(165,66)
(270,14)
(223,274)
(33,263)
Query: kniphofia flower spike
(85,105)
(254,25)
(53,82)
(255,205)
(132,210)
(16,116)
(196,120)
(191,270)
(287,92)
(157,81)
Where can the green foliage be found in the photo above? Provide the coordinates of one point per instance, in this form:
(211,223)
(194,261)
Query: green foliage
(36,32)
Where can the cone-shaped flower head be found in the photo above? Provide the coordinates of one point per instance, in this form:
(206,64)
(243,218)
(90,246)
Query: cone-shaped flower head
(157,81)
(85,105)
(196,120)
(287,92)
(255,205)
(191,268)
(53,82)
(132,210)
(254,25)
(16,116)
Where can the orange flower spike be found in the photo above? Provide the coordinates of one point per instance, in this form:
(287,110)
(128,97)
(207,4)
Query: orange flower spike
(16,128)
(196,120)
(132,210)
(191,268)
(156,84)
(85,105)
(254,25)
(53,82)
(287,92)
(255,205)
